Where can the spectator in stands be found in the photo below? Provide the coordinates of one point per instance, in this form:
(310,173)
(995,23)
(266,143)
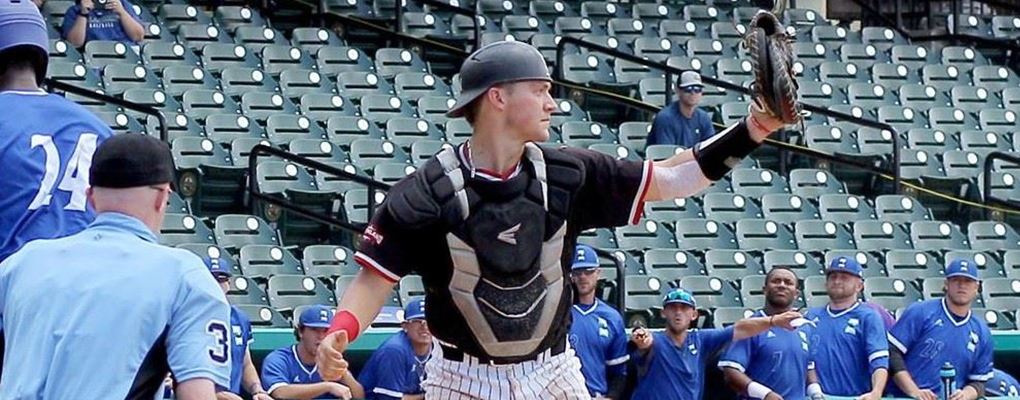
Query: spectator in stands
(851,353)
(671,364)
(242,371)
(934,332)
(67,303)
(682,123)
(290,372)
(397,368)
(774,364)
(596,333)
(89,20)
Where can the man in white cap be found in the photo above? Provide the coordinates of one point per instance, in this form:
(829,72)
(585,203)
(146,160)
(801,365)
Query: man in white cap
(682,123)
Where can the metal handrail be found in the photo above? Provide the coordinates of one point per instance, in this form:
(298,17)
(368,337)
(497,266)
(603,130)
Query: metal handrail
(895,172)
(253,187)
(53,84)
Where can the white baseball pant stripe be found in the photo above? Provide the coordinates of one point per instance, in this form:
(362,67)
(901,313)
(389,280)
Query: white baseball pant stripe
(547,377)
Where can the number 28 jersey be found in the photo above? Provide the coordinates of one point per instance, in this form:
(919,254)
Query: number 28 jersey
(46,147)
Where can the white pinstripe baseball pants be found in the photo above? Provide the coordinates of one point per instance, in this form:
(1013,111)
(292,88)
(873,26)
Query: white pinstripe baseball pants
(547,377)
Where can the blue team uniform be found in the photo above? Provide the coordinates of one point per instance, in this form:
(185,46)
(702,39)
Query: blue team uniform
(102,24)
(847,347)
(598,337)
(393,370)
(46,150)
(240,328)
(670,372)
(1002,384)
(283,367)
(106,313)
(929,336)
(776,358)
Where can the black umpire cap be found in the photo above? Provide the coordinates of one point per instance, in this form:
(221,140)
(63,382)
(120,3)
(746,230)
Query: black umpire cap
(496,63)
(131,160)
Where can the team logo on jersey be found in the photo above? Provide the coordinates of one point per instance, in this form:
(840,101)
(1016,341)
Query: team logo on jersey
(372,235)
(972,343)
(509,235)
(803,340)
(851,326)
(938,322)
(770,334)
(693,349)
(603,327)
(572,338)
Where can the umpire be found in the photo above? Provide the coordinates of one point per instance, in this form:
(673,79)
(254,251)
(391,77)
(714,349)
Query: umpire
(107,312)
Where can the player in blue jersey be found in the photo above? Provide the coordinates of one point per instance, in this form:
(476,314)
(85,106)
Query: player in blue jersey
(290,372)
(397,368)
(106,313)
(848,344)
(1002,385)
(242,370)
(934,332)
(671,363)
(596,333)
(47,143)
(774,364)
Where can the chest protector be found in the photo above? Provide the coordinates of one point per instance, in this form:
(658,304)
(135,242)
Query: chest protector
(506,248)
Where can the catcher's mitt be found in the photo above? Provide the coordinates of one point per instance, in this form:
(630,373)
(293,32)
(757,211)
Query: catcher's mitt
(775,86)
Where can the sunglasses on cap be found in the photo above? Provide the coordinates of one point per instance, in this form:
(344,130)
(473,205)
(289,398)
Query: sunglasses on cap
(679,295)
(693,89)
(222,278)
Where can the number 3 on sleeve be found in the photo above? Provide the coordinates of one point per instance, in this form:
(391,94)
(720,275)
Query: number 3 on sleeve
(219,353)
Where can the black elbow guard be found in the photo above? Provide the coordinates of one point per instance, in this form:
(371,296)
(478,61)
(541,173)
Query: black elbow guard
(722,152)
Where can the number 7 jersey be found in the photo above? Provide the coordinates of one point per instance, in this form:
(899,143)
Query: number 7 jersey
(46,147)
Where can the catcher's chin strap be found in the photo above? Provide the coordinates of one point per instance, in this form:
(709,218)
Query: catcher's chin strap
(721,153)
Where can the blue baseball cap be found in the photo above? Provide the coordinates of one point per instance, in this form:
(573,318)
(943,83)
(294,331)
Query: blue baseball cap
(845,264)
(679,295)
(317,316)
(414,310)
(585,258)
(962,267)
(218,266)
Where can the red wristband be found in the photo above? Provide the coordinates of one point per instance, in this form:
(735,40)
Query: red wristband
(346,321)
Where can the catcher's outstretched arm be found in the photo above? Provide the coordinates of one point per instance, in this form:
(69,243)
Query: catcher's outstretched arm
(690,172)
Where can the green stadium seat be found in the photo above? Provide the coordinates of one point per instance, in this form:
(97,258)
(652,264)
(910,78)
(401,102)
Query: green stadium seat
(727,33)
(423,150)
(863,55)
(821,93)
(391,173)
(54,11)
(709,50)
(891,293)
(758,182)
(120,122)
(234,17)
(711,292)
(584,134)
(801,263)
(154,98)
(380,108)
(255,38)
(237,81)
(899,208)
(234,231)
(812,54)
(845,208)
(356,204)
(434,108)
(312,39)
(322,106)
(427,25)
(334,60)
(942,77)
(567,111)
(260,106)
(411,288)
(937,236)
(154,33)
(644,301)
(617,151)
(659,152)
(631,74)
(656,49)
(931,141)
(279,58)
(245,291)
(160,55)
(922,97)
(600,12)
(996,120)
(212,251)
(172,16)
(357,84)
(176,204)
(997,320)
(647,235)
(336,184)
(179,79)
(198,36)
(183,228)
(994,78)
(964,57)
(871,265)
(240,149)
(988,265)
(1005,26)
(392,61)
(75,73)
(913,56)
(549,10)
(298,186)
(869,95)
(523,27)
(752,290)
(601,238)
(911,265)
(882,38)
(992,236)
(682,31)
(328,261)
(671,265)
(343,130)
(178,125)
(462,27)
(1001,293)
(225,128)
(834,36)
(734,71)
(218,56)
(814,292)
(702,13)
(264,261)
(763,235)
(724,317)
(963,164)
(263,317)
(787,208)
(893,76)
(951,119)
(729,207)
(286,128)
(319,150)
(412,86)
(289,291)
(822,235)
(405,131)
(586,69)
(702,234)
(63,51)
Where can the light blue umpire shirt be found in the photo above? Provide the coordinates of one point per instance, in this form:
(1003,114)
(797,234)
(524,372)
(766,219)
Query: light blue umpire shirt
(106,313)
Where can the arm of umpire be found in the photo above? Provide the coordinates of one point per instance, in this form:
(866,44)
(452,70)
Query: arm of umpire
(362,301)
(692,171)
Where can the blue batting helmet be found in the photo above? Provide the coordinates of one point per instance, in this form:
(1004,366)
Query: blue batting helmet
(21,24)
